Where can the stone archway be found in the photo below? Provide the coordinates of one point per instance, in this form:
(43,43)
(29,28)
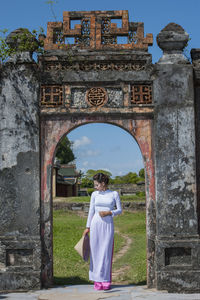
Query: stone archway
(52,131)
(96,79)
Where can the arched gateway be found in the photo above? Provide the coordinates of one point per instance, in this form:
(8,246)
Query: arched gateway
(97,79)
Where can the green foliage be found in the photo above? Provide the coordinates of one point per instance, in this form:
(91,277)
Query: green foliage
(130,177)
(140,194)
(20,42)
(28,40)
(90,173)
(64,151)
(87,180)
(5,50)
(90,191)
(141,173)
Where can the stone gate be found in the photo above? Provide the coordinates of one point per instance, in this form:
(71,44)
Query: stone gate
(86,76)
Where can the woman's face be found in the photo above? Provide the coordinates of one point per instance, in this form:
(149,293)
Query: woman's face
(99,186)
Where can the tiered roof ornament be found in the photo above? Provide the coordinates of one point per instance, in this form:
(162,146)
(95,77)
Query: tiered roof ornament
(96,30)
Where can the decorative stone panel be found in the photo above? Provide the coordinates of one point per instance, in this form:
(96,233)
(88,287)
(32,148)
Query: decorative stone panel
(141,94)
(51,95)
(96,96)
(79,97)
(96,30)
(19,257)
(178,256)
(95,66)
(20,261)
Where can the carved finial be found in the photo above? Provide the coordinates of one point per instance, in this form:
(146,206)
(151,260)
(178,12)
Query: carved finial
(23,43)
(172,40)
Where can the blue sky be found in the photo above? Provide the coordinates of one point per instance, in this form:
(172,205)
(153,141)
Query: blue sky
(107,147)
(101,145)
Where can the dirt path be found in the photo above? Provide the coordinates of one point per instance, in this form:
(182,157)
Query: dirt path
(117,275)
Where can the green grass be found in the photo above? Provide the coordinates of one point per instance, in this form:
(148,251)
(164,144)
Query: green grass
(87,198)
(69,268)
(133,224)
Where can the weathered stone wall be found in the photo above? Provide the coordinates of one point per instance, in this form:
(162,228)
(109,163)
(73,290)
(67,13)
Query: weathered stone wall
(154,103)
(177,242)
(20,249)
(195,54)
(128,188)
(84,206)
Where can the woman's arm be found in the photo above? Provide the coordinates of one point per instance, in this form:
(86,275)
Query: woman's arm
(105,213)
(86,231)
(90,214)
(118,209)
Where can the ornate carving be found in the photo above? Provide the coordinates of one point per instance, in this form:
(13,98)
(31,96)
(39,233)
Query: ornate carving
(107,38)
(96,96)
(94,66)
(141,94)
(84,39)
(96,31)
(51,95)
(132,34)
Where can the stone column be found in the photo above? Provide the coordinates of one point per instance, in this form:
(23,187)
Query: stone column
(195,54)
(20,246)
(177,241)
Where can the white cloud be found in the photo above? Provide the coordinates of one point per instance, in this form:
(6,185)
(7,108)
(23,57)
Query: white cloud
(92,153)
(120,173)
(105,169)
(84,140)
(85,163)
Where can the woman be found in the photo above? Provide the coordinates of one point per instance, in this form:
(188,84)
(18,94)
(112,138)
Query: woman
(101,228)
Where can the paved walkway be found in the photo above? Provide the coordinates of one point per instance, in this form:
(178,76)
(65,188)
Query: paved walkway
(86,292)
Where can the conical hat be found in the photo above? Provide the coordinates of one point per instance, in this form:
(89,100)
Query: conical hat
(83,247)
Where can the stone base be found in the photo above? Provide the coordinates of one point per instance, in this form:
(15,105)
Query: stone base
(20,281)
(179,281)
(173,58)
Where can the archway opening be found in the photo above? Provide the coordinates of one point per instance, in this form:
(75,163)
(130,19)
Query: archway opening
(100,146)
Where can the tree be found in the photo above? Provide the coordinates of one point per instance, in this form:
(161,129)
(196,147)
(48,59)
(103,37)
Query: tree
(90,173)
(64,151)
(87,180)
(141,173)
(86,183)
(127,178)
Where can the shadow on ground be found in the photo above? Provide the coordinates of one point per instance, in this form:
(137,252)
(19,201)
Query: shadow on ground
(74,280)
(139,283)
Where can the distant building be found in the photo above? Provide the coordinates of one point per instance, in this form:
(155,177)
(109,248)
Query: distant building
(65,180)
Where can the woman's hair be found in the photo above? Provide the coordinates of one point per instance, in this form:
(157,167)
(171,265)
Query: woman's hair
(100,177)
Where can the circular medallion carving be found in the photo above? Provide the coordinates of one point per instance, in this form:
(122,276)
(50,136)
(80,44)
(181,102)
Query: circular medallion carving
(96,96)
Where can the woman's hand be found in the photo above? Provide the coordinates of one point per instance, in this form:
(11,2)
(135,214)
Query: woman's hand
(105,213)
(86,231)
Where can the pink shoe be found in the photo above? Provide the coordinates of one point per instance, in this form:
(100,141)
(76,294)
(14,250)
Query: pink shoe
(98,286)
(106,285)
